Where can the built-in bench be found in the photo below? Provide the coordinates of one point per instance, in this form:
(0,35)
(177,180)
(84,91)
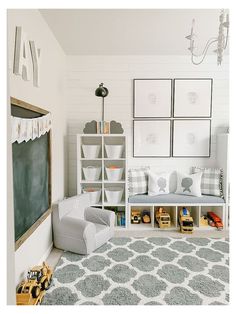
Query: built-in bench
(172,203)
(198,206)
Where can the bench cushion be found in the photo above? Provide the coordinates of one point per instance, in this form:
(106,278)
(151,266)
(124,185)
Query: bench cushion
(175,199)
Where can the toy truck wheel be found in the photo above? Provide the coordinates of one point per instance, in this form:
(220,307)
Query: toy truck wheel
(35,292)
(45,284)
(19,290)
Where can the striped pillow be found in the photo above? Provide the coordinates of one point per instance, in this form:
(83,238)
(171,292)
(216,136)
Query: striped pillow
(212,181)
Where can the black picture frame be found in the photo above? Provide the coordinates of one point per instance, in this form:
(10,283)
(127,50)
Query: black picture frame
(170,138)
(209,102)
(152,116)
(192,156)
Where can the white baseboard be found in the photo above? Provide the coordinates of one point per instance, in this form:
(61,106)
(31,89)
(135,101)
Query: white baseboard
(46,254)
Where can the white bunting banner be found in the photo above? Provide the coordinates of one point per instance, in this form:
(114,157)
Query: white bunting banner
(29,129)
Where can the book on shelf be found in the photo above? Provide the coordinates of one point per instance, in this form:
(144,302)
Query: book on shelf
(106,127)
(120,219)
(103,127)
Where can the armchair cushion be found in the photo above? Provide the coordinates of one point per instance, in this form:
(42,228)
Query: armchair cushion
(76,227)
(100,216)
(76,204)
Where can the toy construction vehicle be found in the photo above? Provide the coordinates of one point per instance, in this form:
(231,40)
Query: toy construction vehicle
(32,290)
(146,218)
(214,220)
(204,221)
(28,299)
(185,221)
(135,216)
(162,218)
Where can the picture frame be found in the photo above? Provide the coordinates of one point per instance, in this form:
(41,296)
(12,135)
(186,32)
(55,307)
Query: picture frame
(193,98)
(191,138)
(152,98)
(151,138)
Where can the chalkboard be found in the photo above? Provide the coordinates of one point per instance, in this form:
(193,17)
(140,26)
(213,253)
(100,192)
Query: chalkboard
(31,177)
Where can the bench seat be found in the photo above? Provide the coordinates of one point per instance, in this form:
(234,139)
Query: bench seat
(173,198)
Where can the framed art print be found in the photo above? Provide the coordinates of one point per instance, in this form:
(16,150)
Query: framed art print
(192,98)
(152,98)
(192,138)
(152,138)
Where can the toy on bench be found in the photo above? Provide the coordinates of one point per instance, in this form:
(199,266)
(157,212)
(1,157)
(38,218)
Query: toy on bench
(32,290)
(215,220)
(162,218)
(146,217)
(135,216)
(185,221)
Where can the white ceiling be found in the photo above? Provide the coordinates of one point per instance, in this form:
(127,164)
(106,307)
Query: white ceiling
(129,32)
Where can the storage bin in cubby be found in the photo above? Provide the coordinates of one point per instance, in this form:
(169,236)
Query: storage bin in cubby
(95,192)
(114,170)
(91,147)
(91,170)
(114,147)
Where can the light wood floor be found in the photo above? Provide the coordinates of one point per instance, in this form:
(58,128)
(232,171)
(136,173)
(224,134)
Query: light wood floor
(55,254)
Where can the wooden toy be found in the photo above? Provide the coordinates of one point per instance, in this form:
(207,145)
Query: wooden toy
(162,218)
(32,290)
(146,217)
(135,216)
(216,220)
(185,221)
(203,221)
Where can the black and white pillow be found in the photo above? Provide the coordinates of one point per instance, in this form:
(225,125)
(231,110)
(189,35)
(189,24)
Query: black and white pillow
(212,180)
(158,183)
(138,181)
(189,184)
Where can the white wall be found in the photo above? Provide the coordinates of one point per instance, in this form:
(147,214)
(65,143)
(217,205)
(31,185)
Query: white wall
(49,96)
(84,73)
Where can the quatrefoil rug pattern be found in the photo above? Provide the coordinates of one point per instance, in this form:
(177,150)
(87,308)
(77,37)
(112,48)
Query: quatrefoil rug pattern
(144,271)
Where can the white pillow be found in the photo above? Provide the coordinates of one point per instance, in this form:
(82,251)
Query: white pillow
(189,184)
(158,183)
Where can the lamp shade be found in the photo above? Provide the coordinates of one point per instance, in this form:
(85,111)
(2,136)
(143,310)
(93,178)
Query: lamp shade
(101,91)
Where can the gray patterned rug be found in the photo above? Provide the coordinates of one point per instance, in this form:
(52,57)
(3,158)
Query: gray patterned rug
(150,271)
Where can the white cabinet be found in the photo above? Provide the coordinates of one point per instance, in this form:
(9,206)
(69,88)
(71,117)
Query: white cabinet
(102,171)
(196,212)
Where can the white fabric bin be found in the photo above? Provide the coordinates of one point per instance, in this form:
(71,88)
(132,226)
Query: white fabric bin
(114,151)
(92,173)
(114,174)
(114,194)
(91,151)
(94,194)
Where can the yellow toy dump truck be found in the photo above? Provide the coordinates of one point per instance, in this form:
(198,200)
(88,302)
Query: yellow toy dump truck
(162,218)
(185,221)
(32,290)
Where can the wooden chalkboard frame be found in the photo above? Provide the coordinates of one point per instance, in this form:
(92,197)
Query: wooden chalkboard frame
(27,234)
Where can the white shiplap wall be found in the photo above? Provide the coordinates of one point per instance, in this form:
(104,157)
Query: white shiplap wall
(84,73)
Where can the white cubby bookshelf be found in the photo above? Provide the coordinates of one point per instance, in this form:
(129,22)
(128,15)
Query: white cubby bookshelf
(103,161)
(196,211)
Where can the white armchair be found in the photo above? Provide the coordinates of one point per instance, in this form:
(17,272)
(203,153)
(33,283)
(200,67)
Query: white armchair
(79,228)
